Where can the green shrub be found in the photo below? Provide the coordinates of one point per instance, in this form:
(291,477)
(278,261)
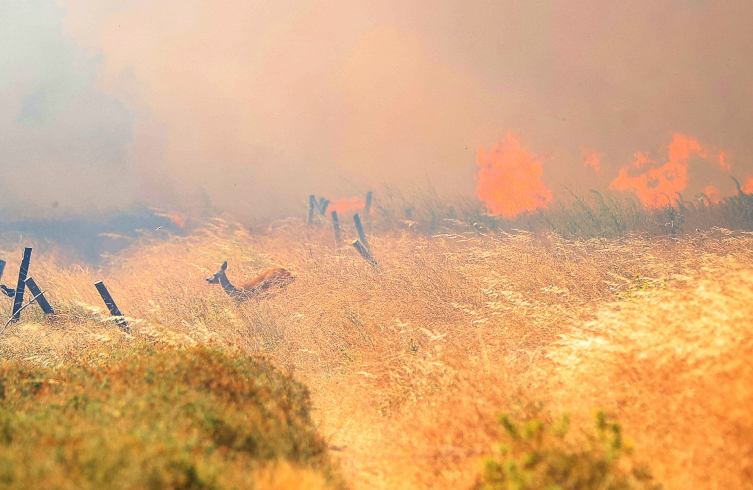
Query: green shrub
(153,419)
(539,453)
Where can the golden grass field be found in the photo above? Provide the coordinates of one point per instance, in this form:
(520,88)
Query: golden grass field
(409,362)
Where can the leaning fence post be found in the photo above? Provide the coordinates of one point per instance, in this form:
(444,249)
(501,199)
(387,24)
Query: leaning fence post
(321,206)
(336,226)
(364,253)
(18,299)
(39,295)
(110,303)
(2,268)
(359,230)
(312,205)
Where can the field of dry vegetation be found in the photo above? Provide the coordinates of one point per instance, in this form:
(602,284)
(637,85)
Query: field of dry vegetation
(409,362)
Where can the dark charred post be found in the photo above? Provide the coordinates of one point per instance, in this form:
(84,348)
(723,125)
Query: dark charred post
(5,289)
(433,222)
(336,226)
(18,299)
(40,299)
(364,253)
(312,205)
(451,213)
(359,230)
(367,208)
(323,206)
(409,214)
(110,303)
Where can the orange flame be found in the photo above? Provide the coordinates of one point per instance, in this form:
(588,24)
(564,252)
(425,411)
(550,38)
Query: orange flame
(658,185)
(509,181)
(722,156)
(641,160)
(180,222)
(346,204)
(712,192)
(177,220)
(591,159)
(748,185)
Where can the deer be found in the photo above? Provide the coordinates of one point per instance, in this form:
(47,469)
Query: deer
(268,282)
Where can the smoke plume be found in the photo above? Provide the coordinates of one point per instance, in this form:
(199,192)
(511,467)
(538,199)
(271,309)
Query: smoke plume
(251,106)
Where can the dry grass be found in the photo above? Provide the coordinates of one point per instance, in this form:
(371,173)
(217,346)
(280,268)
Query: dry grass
(409,361)
(678,368)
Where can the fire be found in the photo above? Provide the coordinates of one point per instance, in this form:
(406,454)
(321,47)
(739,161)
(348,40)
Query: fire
(346,204)
(177,220)
(712,192)
(722,156)
(658,185)
(748,185)
(509,181)
(591,159)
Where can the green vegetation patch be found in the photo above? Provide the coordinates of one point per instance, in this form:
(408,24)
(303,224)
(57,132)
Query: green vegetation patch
(154,418)
(538,454)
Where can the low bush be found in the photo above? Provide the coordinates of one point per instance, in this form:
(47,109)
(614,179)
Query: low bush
(157,418)
(538,454)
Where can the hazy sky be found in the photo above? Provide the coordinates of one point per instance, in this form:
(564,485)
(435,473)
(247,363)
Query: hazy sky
(260,103)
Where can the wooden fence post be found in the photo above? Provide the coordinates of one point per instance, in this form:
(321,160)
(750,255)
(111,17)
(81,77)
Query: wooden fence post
(2,268)
(359,230)
(336,226)
(409,214)
(312,205)
(18,299)
(37,293)
(364,253)
(367,208)
(110,303)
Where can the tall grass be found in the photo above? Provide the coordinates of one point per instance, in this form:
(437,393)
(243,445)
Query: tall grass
(409,361)
(677,366)
(573,215)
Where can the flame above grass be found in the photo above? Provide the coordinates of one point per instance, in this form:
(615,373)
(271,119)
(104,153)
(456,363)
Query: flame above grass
(748,185)
(346,204)
(657,186)
(712,192)
(509,180)
(179,221)
(591,159)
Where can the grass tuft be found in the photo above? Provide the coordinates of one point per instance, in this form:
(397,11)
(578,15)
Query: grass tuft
(156,418)
(537,454)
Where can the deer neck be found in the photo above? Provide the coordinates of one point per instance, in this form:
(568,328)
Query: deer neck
(231,290)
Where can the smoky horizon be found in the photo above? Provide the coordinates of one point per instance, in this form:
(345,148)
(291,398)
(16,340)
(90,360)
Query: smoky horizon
(250,107)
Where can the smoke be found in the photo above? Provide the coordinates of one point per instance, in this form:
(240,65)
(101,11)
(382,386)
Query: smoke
(63,142)
(252,106)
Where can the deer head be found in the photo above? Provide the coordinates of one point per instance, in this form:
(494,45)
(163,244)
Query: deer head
(215,279)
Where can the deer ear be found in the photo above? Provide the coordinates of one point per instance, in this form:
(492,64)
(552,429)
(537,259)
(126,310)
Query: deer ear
(224,266)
